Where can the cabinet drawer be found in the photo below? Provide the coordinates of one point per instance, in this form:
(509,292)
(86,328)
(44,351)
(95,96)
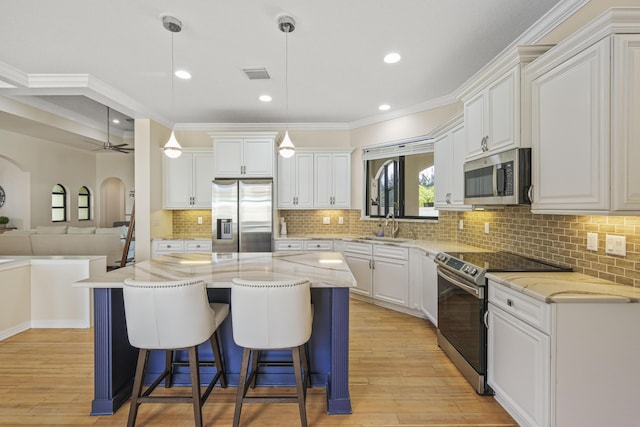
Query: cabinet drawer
(535,313)
(198,246)
(387,251)
(357,248)
(318,245)
(288,245)
(170,246)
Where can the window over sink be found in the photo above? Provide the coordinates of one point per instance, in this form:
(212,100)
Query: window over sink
(400,179)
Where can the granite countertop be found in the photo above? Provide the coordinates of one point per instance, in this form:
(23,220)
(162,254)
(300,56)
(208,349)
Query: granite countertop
(323,269)
(566,287)
(183,237)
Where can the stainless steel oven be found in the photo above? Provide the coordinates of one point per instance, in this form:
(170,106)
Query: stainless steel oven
(462,306)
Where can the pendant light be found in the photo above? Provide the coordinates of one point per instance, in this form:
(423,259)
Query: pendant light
(286,24)
(172,148)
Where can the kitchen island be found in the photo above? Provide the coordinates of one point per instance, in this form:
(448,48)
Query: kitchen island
(330,277)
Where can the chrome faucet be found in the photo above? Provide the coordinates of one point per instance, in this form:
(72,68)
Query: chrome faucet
(394,224)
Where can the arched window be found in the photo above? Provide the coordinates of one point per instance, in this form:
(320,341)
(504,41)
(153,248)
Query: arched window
(58,203)
(84,204)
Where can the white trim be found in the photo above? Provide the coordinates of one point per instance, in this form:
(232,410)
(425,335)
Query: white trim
(549,21)
(65,324)
(259,126)
(12,75)
(14,330)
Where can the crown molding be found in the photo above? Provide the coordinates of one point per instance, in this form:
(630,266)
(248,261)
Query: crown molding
(11,76)
(260,126)
(549,21)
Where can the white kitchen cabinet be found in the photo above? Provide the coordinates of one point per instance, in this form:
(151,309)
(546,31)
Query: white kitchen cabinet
(295,181)
(244,156)
(187,180)
(382,271)
(449,152)
(169,246)
(584,134)
(565,363)
(429,288)
(332,180)
(288,245)
(318,245)
(492,103)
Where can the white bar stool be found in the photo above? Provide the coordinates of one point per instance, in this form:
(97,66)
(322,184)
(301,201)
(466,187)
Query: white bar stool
(269,315)
(172,316)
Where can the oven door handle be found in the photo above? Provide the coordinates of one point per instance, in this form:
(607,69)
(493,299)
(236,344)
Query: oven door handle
(475,291)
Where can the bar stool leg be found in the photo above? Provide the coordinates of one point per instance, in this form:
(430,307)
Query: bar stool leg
(215,345)
(168,366)
(195,385)
(242,386)
(141,366)
(300,388)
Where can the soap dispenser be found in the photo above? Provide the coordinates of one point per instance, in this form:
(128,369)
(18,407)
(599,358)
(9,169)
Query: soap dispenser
(283,227)
(380,233)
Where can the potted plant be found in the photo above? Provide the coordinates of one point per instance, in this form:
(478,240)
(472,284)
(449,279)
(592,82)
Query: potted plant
(4,220)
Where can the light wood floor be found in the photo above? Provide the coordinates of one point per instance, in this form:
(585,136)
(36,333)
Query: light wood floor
(398,377)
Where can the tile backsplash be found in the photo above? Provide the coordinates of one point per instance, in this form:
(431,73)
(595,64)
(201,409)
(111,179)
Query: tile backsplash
(559,239)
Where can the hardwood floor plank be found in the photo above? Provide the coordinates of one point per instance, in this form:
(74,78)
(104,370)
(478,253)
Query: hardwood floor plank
(398,377)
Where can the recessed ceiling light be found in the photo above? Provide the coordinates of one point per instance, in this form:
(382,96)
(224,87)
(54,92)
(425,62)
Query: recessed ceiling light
(384,107)
(116,121)
(183,74)
(392,58)
(265,98)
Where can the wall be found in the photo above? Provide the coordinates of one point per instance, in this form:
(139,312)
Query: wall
(48,164)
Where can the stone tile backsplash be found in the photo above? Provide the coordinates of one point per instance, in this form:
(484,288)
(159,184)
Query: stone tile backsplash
(559,239)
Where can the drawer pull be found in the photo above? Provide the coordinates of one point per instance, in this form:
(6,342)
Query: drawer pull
(509,302)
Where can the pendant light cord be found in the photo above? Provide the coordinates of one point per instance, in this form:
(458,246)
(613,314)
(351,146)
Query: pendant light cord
(286,77)
(172,90)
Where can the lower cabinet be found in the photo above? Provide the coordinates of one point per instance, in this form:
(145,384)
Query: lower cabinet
(164,246)
(566,363)
(429,288)
(303,245)
(382,271)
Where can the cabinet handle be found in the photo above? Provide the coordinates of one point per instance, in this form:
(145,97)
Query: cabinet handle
(509,302)
(486,319)
(530,193)
(373,263)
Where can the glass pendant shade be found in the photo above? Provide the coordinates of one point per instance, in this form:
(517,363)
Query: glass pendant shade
(286,148)
(172,148)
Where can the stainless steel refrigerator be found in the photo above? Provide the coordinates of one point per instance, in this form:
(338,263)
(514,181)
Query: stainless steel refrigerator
(242,215)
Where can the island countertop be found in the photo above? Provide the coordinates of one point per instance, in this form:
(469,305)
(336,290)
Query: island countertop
(323,269)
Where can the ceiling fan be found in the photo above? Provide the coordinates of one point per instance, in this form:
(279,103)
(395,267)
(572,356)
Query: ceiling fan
(108,146)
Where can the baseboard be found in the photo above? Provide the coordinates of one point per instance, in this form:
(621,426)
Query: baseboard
(15,330)
(61,324)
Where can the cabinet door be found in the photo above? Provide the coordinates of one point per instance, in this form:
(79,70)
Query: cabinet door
(323,181)
(228,157)
(570,134)
(202,177)
(287,182)
(443,151)
(429,288)
(177,177)
(519,368)
(360,267)
(391,280)
(625,111)
(474,126)
(304,180)
(258,157)
(502,100)
(457,166)
(341,177)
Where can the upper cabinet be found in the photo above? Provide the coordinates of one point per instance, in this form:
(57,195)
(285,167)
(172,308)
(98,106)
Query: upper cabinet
(449,151)
(295,181)
(187,180)
(492,103)
(244,155)
(332,180)
(584,112)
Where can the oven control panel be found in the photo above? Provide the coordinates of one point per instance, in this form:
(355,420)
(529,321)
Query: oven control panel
(452,263)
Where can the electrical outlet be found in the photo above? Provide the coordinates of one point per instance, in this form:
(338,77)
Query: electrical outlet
(592,241)
(486,228)
(326,220)
(461,225)
(340,220)
(199,220)
(616,245)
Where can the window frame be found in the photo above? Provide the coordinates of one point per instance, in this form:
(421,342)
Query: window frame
(83,207)
(63,207)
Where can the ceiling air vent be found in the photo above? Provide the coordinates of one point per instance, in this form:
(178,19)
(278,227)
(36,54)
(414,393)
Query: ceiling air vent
(256,73)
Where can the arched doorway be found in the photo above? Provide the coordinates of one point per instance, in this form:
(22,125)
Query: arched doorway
(112,202)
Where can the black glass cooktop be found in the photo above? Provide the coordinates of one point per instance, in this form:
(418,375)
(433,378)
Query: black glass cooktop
(505,261)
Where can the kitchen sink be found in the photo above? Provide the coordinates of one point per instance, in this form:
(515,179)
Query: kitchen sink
(386,239)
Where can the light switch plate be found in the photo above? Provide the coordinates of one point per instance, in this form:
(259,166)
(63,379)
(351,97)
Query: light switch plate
(326,220)
(616,245)
(460,225)
(486,228)
(340,220)
(592,241)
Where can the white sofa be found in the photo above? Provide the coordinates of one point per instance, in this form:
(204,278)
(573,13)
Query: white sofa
(66,240)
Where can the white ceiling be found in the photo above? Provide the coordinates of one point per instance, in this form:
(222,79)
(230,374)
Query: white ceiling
(122,54)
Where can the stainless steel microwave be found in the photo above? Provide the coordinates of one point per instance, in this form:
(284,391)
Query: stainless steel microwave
(500,179)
